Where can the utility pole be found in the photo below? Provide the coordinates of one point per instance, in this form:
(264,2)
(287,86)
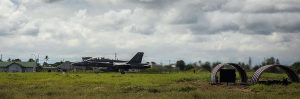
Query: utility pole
(38,58)
(34,68)
(1,58)
(115,56)
(36,61)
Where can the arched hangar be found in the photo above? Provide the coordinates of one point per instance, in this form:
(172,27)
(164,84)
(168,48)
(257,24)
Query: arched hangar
(242,72)
(291,74)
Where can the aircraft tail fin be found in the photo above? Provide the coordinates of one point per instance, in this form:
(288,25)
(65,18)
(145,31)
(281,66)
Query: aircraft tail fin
(137,58)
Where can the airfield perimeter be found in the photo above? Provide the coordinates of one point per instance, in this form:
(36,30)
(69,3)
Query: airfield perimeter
(178,85)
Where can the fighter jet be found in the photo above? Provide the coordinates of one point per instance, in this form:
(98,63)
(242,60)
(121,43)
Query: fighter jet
(134,63)
(115,65)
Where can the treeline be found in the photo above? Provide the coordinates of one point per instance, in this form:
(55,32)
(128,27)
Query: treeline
(45,63)
(208,66)
(17,60)
(205,66)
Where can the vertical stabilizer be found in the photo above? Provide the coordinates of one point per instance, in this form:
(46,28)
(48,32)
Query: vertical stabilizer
(137,58)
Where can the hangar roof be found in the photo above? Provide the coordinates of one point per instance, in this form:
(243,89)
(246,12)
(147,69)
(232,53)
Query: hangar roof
(23,64)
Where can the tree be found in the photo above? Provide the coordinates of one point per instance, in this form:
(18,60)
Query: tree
(9,60)
(1,58)
(256,67)
(189,66)
(296,67)
(214,64)
(57,63)
(200,62)
(180,64)
(206,66)
(31,60)
(271,61)
(244,66)
(17,60)
(46,58)
(153,63)
(277,61)
(38,68)
(45,64)
(250,62)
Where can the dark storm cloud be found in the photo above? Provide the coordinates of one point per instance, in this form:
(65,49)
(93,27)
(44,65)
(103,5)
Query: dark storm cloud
(269,23)
(18,26)
(216,16)
(248,16)
(207,28)
(51,1)
(263,25)
(30,31)
(154,4)
(261,6)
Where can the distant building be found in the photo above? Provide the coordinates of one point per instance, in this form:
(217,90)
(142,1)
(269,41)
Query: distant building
(17,66)
(66,66)
(50,69)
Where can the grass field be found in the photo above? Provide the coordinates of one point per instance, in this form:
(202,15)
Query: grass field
(178,85)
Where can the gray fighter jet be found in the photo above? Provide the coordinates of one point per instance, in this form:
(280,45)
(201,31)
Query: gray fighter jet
(115,65)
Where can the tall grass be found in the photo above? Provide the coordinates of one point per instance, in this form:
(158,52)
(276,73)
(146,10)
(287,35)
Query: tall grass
(176,85)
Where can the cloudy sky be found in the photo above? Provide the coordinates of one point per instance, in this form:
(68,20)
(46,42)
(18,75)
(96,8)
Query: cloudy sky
(192,30)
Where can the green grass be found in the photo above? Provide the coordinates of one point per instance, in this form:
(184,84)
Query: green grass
(135,85)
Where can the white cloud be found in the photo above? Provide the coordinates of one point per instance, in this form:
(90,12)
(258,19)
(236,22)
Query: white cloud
(164,29)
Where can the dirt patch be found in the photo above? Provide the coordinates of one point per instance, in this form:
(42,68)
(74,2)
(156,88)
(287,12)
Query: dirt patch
(153,90)
(186,80)
(131,88)
(187,89)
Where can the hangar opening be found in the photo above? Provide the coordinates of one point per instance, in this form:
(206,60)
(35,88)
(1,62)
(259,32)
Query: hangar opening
(293,77)
(228,74)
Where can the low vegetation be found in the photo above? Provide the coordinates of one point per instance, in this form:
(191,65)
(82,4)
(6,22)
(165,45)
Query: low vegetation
(172,85)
